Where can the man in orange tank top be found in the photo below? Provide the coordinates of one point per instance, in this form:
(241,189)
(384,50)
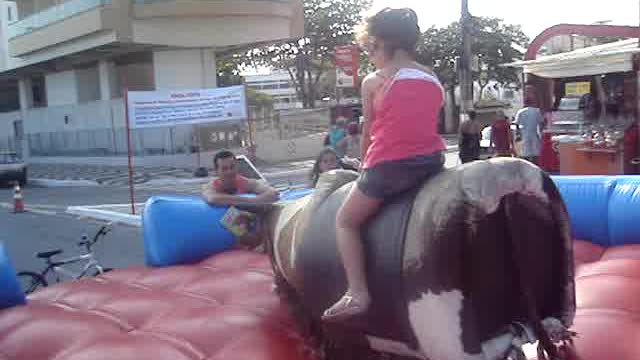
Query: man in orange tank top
(230,188)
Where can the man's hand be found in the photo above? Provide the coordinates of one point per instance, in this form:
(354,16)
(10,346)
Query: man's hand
(267,197)
(354,163)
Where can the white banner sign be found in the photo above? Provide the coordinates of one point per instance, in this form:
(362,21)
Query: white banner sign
(171,107)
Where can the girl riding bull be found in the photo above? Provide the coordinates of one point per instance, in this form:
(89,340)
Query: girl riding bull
(400,147)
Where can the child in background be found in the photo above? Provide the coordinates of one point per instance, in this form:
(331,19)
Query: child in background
(350,145)
(336,134)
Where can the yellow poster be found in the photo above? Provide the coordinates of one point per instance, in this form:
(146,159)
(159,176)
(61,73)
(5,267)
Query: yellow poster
(577,89)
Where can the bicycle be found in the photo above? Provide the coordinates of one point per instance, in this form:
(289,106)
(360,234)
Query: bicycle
(30,280)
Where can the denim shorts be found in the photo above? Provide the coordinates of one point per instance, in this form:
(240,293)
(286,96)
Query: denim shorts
(390,178)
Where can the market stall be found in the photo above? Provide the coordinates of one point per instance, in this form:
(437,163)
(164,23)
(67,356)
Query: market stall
(590,101)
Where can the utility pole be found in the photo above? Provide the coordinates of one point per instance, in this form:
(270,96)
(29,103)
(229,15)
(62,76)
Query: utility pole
(466,79)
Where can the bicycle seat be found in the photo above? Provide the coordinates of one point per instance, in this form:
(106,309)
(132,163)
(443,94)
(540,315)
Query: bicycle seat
(48,254)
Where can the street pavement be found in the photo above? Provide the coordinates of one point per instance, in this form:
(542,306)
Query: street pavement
(47,226)
(119,175)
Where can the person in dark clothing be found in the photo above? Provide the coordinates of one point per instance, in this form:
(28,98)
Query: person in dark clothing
(469,139)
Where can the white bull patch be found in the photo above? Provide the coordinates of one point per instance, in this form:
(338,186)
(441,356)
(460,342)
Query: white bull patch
(435,320)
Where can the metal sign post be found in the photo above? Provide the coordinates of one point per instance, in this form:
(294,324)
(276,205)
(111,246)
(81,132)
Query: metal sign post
(129,160)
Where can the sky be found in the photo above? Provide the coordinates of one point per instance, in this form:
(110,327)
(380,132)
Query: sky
(533,15)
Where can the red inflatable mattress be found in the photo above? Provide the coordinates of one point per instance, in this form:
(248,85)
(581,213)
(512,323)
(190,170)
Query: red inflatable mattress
(225,308)
(222,308)
(608,297)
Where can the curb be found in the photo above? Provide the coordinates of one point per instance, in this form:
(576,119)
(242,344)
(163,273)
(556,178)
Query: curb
(182,181)
(61,183)
(109,216)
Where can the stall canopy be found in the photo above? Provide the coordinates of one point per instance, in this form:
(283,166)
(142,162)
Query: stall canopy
(595,60)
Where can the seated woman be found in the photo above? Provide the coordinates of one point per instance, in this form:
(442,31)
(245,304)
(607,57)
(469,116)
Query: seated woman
(328,160)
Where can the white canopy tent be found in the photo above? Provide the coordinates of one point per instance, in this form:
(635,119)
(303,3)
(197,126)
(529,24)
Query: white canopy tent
(595,60)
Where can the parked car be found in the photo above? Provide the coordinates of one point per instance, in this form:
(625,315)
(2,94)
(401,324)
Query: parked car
(12,168)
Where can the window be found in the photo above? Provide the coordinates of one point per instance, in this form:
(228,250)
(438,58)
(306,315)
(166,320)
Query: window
(9,15)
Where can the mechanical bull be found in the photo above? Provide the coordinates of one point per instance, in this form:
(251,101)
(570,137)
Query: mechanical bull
(471,265)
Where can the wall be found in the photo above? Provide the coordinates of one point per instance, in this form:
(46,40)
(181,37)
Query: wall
(184,69)
(5,7)
(7,141)
(61,88)
(208,31)
(138,76)
(88,84)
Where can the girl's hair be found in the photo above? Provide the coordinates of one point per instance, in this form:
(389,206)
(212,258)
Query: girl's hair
(398,28)
(315,172)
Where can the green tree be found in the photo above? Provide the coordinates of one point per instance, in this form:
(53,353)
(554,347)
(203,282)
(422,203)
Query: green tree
(328,23)
(492,44)
(440,48)
(228,69)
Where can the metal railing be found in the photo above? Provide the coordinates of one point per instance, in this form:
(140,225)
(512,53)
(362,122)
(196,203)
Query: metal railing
(51,15)
(140,2)
(113,142)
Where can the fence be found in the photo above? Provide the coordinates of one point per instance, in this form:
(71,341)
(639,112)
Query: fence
(8,143)
(283,127)
(113,142)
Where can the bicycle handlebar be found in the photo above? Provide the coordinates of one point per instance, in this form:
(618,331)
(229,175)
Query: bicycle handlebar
(104,230)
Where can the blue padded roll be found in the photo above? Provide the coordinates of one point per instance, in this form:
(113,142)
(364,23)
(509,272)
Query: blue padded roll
(182,230)
(624,211)
(10,292)
(587,201)
(295,194)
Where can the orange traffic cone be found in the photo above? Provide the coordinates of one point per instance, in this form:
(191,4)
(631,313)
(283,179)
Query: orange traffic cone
(18,203)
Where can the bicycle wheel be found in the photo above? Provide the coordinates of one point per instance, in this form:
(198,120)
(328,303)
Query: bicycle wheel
(30,281)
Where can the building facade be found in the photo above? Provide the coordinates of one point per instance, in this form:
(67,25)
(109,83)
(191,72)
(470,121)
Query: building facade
(64,64)
(279,86)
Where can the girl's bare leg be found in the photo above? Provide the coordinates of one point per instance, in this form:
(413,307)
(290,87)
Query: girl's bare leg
(356,209)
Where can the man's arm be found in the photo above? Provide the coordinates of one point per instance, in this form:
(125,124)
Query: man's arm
(265,193)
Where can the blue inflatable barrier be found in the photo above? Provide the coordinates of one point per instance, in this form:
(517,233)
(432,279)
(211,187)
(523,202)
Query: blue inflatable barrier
(10,292)
(295,194)
(602,209)
(181,230)
(624,212)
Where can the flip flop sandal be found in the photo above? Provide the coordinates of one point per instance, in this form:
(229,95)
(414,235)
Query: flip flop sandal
(345,308)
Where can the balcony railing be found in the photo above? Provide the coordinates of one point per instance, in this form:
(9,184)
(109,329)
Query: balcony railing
(161,1)
(53,14)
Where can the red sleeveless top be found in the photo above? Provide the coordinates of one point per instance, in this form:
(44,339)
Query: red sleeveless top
(240,186)
(406,112)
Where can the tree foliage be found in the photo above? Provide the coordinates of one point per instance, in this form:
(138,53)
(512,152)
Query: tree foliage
(492,44)
(328,23)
